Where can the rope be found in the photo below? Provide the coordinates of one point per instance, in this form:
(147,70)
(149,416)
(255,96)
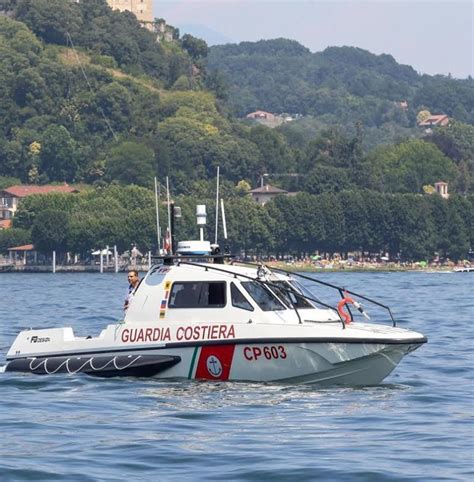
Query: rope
(69,38)
(89,362)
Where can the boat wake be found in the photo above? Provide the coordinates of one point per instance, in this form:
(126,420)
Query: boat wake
(2,368)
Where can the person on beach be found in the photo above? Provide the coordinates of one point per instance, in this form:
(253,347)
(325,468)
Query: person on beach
(133,281)
(134,255)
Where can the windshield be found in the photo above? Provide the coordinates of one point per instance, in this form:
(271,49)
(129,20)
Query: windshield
(266,300)
(290,295)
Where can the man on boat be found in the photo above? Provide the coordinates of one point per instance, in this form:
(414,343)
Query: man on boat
(133,281)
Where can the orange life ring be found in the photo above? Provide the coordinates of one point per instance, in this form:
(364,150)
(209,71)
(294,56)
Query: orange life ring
(340,309)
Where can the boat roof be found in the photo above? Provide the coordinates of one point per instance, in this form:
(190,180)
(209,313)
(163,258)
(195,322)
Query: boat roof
(213,269)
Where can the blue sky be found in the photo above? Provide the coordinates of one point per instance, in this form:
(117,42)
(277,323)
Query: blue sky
(433,36)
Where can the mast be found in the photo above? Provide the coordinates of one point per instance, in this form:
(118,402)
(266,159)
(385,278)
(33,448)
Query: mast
(158,234)
(217,205)
(169,214)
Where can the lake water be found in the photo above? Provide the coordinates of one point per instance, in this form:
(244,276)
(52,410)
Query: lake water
(417,425)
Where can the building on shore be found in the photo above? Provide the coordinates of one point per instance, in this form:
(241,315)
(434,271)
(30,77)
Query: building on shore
(11,196)
(263,194)
(23,254)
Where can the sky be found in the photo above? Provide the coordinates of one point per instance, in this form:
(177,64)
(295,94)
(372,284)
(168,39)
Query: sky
(433,36)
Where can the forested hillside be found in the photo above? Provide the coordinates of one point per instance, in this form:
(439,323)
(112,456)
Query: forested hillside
(119,107)
(347,83)
(89,96)
(355,111)
(122,107)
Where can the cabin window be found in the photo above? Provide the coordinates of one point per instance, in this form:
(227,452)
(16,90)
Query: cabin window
(265,299)
(290,295)
(238,299)
(202,294)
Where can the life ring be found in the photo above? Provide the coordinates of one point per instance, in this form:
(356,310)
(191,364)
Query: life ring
(340,309)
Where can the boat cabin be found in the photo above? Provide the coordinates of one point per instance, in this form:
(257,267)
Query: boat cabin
(220,293)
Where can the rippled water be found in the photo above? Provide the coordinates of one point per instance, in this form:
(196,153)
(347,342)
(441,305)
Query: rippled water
(418,425)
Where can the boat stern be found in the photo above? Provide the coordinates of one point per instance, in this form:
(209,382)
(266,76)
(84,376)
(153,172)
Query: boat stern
(34,342)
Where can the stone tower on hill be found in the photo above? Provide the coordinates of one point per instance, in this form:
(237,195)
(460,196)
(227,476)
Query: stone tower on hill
(143,9)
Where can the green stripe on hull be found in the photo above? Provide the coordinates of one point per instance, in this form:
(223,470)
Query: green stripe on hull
(191,368)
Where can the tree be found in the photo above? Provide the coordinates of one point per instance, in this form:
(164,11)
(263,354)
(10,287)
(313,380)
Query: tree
(406,167)
(412,231)
(420,242)
(58,154)
(378,221)
(112,101)
(30,87)
(50,231)
(248,225)
(422,116)
(355,220)
(459,226)
(326,179)
(275,153)
(7,181)
(455,140)
(12,237)
(307,225)
(31,206)
(331,148)
(11,159)
(50,19)
(196,48)
(131,163)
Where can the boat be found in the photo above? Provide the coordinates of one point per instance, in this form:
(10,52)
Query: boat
(463,269)
(199,314)
(203,319)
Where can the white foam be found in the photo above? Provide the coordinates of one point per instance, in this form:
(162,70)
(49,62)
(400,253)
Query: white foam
(2,368)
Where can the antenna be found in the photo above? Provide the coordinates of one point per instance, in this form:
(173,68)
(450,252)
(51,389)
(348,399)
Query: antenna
(169,213)
(158,234)
(223,219)
(217,205)
(224,225)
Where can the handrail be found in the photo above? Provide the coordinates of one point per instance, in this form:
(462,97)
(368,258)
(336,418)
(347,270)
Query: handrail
(324,283)
(268,283)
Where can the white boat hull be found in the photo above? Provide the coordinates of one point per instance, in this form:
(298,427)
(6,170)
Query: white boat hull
(303,363)
(351,363)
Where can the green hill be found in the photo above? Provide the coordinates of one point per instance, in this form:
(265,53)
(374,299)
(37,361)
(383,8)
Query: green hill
(347,83)
(119,106)
(88,95)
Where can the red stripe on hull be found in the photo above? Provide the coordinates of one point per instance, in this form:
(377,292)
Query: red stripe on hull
(215,362)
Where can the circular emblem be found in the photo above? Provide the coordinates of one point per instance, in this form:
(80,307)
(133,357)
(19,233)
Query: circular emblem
(214,366)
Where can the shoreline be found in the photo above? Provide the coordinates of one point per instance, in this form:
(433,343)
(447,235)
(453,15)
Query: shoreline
(295,267)
(69,269)
(360,269)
